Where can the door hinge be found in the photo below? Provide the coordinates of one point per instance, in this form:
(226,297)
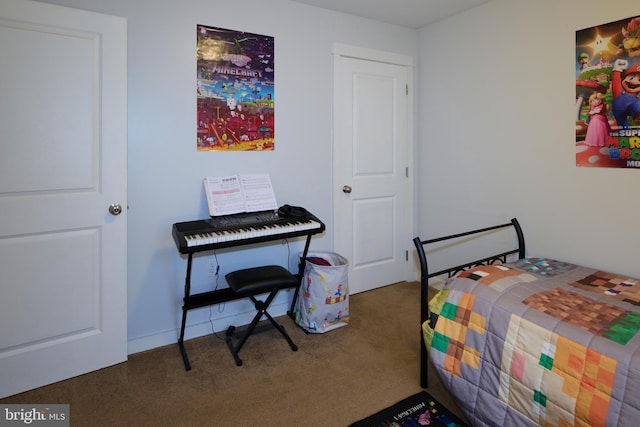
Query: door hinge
(407,89)
(406,256)
(406,171)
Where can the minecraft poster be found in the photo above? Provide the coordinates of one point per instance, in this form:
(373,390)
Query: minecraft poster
(607,95)
(235,85)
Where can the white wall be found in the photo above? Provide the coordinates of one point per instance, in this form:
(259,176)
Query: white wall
(165,171)
(496,133)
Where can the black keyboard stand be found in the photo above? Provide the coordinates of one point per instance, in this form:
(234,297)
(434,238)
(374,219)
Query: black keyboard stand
(219,296)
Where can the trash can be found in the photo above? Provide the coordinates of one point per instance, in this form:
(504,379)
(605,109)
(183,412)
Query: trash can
(323,300)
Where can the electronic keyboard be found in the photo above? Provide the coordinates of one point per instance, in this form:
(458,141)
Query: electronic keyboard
(244,228)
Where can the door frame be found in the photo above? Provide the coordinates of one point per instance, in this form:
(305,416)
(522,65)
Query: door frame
(356,52)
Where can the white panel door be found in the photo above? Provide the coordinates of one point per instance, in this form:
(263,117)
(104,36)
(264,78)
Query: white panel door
(373,195)
(63,162)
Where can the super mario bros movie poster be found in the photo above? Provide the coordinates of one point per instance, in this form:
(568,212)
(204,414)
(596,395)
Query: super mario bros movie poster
(608,95)
(235,90)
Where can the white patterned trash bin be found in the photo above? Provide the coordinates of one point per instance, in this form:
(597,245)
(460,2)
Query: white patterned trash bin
(323,300)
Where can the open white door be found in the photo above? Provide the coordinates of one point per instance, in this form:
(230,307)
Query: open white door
(63,162)
(373,184)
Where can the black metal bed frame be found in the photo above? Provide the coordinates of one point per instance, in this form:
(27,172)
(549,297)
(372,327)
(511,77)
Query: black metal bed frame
(425,276)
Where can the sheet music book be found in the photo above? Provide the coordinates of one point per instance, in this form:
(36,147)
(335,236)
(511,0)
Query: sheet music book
(233,194)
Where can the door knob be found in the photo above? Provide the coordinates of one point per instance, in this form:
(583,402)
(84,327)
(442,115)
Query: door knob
(115,209)
(346,189)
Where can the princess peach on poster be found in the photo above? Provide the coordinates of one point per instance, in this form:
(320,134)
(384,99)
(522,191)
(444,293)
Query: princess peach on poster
(598,129)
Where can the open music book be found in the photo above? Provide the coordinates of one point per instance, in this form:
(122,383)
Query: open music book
(233,194)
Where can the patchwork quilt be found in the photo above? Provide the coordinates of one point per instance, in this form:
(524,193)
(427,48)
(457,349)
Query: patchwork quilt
(539,342)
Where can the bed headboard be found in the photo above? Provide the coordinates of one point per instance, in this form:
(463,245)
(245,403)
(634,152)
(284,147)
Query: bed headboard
(424,270)
(425,275)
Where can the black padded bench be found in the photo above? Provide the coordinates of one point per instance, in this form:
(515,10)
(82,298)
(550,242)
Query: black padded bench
(250,282)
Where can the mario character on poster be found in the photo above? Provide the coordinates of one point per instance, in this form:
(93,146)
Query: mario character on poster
(608,95)
(235,76)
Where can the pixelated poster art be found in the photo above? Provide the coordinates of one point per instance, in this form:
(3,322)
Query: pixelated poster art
(607,95)
(235,90)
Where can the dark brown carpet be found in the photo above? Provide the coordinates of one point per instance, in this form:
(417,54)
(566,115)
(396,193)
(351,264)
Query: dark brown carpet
(334,379)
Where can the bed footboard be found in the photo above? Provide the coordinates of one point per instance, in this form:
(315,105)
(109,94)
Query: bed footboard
(425,275)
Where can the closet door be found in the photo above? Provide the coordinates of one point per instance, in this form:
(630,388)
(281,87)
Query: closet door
(373,185)
(63,151)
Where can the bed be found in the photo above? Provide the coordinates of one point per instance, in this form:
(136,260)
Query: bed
(524,341)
